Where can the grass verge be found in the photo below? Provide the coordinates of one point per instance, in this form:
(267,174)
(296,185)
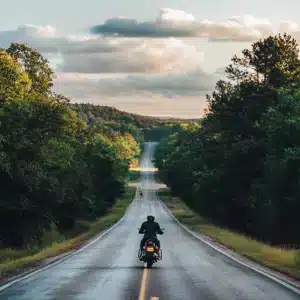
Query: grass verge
(279,259)
(14,262)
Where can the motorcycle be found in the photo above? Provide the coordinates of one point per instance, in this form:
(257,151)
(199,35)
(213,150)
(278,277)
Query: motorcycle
(151,253)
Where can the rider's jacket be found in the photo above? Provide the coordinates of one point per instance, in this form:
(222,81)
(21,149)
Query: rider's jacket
(150,229)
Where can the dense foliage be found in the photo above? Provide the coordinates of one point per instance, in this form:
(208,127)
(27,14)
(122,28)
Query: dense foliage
(240,166)
(54,168)
(143,128)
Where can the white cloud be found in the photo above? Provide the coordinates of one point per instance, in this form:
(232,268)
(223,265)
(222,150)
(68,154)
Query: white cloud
(96,54)
(173,15)
(34,35)
(124,55)
(77,85)
(110,54)
(291,28)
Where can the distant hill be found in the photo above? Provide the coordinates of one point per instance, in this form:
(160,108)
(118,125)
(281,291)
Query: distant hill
(97,113)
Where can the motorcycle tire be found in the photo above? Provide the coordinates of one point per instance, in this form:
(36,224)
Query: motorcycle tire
(140,254)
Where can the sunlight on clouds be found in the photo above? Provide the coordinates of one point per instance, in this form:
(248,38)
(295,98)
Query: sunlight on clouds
(162,67)
(177,23)
(169,15)
(126,55)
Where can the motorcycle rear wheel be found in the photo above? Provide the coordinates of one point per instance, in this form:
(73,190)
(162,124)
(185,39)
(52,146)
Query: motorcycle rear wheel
(140,254)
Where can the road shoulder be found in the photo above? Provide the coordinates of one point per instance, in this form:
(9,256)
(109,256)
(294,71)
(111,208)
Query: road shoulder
(18,268)
(278,264)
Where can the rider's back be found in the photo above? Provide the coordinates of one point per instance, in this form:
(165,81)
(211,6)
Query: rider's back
(150,228)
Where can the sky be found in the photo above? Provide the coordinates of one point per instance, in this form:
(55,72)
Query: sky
(149,57)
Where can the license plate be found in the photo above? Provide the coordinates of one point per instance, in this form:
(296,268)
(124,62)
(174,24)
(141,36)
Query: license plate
(150,249)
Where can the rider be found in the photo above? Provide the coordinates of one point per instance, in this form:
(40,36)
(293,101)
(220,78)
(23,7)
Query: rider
(150,229)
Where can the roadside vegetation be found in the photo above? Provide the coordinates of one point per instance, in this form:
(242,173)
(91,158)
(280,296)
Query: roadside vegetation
(142,128)
(54,168)
(239,166)
(280,258)
(64,168)
(13,260)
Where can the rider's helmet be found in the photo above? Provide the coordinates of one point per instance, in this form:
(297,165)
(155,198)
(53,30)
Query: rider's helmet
(150,218)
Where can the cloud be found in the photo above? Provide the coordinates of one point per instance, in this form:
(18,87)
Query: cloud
(103,53)
(126,64)
(291,28)
(173,15)
(178,23)
(96,54)
(158,95)
(169,22)
(42,37)
(132,56)
(77,85)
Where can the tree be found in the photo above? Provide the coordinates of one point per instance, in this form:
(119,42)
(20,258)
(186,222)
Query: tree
(241,168)
(36,150)
(281,173)
(54,168)
(35,65)
(108,172)
(14,83)
(126,147)
(272,62)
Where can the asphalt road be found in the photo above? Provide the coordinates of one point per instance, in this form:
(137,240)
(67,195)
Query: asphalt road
(110,269)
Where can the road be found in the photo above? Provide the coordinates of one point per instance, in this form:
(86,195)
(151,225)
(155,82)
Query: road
(109,268)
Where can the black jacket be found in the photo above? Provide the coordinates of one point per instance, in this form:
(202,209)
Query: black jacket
(150,229)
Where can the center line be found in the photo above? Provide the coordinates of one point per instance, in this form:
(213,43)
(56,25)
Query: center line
(144,283)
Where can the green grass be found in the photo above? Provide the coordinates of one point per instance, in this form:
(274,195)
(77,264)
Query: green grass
(14,261)
(284,260)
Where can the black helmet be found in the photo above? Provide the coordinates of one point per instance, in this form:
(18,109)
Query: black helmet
(150,218)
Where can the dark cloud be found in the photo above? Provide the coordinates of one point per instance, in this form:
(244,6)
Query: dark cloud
(132,28)
(175,23)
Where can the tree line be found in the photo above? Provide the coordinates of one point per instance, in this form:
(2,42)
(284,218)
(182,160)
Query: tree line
(240,165)
(142,128)
(96,113)
(55,169)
